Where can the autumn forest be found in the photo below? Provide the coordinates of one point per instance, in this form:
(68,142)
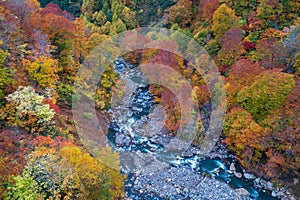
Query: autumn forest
(255,45)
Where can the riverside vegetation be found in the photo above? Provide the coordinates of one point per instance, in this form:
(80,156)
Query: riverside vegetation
(255,45)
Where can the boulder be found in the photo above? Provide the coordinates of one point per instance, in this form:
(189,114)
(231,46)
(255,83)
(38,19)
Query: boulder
(242,192)
(232,167)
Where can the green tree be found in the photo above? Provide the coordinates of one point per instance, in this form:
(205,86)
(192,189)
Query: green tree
(117,27)
(5,73)
(24,189)
(99,18)
(223,19)
(267,93)
(129,18)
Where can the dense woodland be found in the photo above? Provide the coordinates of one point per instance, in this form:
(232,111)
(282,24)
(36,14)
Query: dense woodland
(254,43)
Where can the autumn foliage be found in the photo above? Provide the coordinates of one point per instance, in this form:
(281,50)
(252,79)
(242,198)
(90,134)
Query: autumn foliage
(255,45)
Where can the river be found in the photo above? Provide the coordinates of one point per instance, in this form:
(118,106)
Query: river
(126,135)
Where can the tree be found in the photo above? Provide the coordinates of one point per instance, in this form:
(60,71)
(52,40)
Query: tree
(71,6)
(43,71)
(10,33)
(99,18)
(23,9)
(69,173)
(242,7)
(244,137)
(149,11)
(180,13)
(24,189)
(5,73)
(267,93)
(129,18)
(231,46)
(277,14)
(283,139)
(88,8)
(270,50)
(292,46)
(55,9)
(243,74)
(61,33)
(14,145)
(29,108)
(206,9)
(117,27)
(223,19)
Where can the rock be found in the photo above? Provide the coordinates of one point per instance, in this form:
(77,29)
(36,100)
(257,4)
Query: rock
(130,66)
(249,176)
(184,184)
(257,183)
(186,190)
(269,186)
(273,194)
(263,183)
(232,167)
(243,192)
(237,174)
(129,113)
(277,192)
(137,109)
(122,139)
(143,85)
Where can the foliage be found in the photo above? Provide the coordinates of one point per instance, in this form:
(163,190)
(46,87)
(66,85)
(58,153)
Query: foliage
(181,13)
(5,73)
(253,43)
(278,14)
(44,71)
(270,50)
(284,137)
(103,93)
(207,9)
(267,93)
(149,11)
(223,19)
(27,101)
(67,174)
(231,46)
(244,136)
(14,145)
(24,189)
(72,6)
(243,74)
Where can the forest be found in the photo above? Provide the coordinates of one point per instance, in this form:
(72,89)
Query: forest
(255,45)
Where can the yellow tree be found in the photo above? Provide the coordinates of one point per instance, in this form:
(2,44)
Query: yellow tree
(244,136)
(43,71)
(70,173)
(223,19)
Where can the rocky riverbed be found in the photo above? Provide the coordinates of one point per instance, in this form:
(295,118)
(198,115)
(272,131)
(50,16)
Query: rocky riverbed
(137,132)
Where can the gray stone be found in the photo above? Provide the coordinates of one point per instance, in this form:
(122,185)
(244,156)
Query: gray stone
(249,176)
(232,167)
(243,192)
(269,185)
(237,174)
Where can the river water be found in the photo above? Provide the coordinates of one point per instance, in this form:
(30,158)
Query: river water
(124,136)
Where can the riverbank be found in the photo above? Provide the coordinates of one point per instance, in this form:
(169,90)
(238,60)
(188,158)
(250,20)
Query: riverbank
(137,132)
